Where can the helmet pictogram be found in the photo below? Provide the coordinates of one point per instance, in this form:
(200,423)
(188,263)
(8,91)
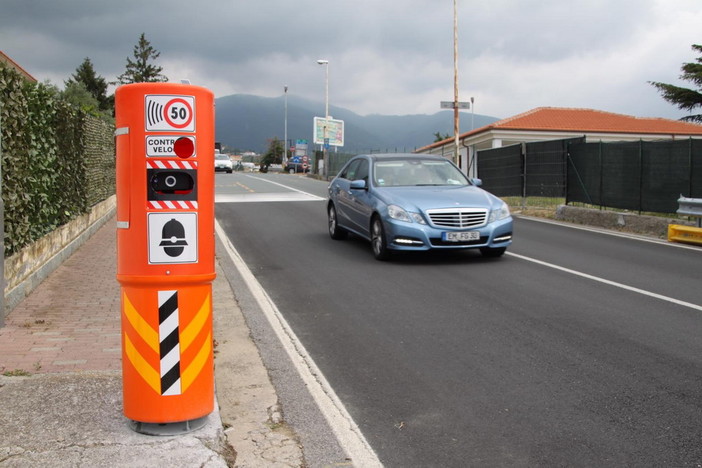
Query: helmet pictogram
(173,238)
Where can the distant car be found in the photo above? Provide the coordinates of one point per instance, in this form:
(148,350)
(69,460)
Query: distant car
(223,163)
(292,167)
(414,202)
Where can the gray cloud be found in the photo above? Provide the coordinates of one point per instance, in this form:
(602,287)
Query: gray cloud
(390,57)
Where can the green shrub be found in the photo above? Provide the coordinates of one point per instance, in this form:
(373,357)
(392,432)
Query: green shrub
(56,161)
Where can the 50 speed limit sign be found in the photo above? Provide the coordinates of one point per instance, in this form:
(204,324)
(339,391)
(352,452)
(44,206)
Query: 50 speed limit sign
(169,113)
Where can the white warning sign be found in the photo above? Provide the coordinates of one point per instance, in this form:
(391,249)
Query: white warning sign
(172,238)
(164,145)
(169,113)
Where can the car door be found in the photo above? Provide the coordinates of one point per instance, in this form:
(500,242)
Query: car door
(359,205)
(341,193)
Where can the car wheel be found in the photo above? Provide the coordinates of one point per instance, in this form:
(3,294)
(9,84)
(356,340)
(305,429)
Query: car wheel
(493,253)
(378,241)
(336,232)
(229,171)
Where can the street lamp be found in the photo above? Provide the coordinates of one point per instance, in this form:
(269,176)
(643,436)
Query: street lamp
(326,111)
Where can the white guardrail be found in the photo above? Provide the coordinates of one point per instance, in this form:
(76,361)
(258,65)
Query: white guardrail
(691,207)
(687,234)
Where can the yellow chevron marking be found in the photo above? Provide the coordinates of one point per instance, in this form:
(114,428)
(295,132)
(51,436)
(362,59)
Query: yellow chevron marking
(147,372)
(191,372)
(148,334)
(195,326)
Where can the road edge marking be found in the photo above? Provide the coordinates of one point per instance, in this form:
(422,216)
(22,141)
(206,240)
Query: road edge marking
(345,429)
(608,282)
(606,232)
(314,197)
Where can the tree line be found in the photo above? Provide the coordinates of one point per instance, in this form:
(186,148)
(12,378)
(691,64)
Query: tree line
(87,90)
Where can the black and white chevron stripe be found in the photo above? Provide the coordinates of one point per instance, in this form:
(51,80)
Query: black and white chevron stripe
(169,342)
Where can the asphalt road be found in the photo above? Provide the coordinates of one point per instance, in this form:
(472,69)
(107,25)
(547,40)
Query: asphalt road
(576,348)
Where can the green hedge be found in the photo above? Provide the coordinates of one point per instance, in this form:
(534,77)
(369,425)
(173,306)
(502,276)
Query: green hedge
(56,161)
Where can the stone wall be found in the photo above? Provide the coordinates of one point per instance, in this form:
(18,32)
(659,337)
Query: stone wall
(26,269)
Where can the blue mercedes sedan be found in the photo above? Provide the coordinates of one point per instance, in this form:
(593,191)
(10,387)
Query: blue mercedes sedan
(413,202)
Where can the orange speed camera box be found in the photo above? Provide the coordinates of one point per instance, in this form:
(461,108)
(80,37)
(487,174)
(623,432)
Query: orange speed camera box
(165,249)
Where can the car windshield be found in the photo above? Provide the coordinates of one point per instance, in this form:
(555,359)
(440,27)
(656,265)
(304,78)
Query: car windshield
(417,172)
(221,156)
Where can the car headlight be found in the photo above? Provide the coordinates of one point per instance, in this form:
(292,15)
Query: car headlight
(500,213)
(400,214)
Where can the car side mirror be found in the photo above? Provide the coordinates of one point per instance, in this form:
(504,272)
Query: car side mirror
(358,184)
(477,182)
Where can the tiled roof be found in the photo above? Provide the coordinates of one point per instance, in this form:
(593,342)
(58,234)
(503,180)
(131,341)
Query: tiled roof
(16,66)
(592,121)
(580,122)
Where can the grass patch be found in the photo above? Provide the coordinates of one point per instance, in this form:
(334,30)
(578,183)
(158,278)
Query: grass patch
(16,373)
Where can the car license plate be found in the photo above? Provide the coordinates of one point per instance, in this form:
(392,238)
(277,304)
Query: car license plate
(460,236)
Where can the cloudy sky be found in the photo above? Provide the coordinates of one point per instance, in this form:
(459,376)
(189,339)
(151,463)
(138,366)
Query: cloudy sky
(385,56)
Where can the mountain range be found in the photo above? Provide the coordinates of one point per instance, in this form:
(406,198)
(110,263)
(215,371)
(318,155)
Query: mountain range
(247,123)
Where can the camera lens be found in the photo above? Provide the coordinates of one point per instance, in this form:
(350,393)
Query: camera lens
(170,181)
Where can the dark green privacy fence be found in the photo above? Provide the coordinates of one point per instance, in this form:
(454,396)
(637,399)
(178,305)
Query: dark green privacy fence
(640,176)
(643,176)
(534,169)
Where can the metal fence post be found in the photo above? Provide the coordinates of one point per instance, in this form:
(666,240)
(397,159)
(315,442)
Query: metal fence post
(689,164)
(524,175)
(601,194)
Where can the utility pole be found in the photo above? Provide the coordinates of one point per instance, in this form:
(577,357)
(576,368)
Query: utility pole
(456,126)
(455,104)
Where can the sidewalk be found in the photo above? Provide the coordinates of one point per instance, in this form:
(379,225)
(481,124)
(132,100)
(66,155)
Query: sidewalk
(61,386)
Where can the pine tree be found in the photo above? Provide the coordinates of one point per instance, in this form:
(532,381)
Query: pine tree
(685,98)
(140,70)
(274,154)
(92,82)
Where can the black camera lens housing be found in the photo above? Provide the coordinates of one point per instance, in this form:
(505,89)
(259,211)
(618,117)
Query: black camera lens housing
(171,181)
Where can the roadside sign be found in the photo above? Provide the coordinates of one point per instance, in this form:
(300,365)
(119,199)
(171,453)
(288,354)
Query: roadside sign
(169,113)
(164,145)
(172,238)
(449,105)
(334,132)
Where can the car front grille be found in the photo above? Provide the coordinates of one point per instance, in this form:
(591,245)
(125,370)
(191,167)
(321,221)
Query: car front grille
(458,217)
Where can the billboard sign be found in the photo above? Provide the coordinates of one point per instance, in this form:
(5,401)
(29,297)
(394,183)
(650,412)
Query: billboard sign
(334,131)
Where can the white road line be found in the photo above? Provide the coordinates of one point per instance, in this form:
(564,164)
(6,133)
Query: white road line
(265,197)
(345,429)
(605,281)
(292,195)
(627,235)
(285,186)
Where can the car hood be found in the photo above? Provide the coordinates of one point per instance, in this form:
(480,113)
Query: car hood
(430,197)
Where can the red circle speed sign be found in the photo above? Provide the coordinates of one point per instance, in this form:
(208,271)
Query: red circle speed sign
(178,113)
